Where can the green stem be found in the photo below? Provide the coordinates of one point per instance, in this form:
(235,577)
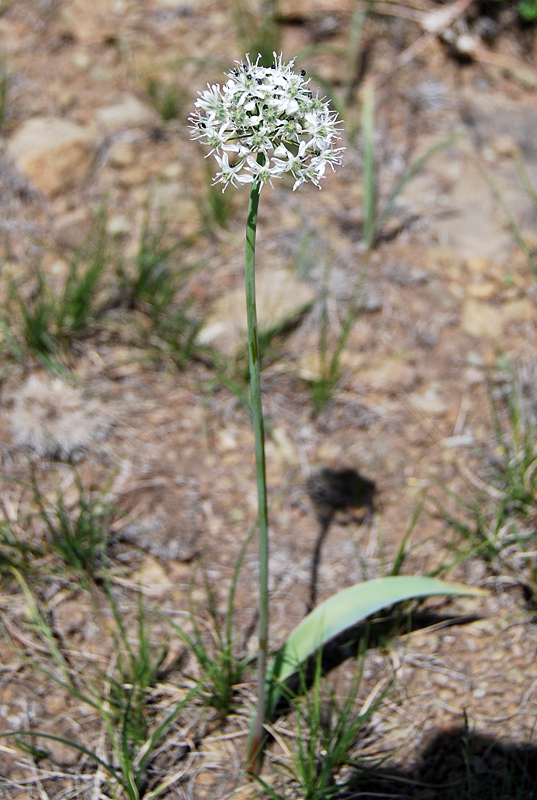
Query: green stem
(255,746)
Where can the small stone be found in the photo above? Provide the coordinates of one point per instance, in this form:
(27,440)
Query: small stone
(441,257)
(61,753)
(81,60)
(481,291)
(55,704)
(71,229)
(519,311)
(87,22)
(119,225)
(506,145)
(134,176)
(12,35)
(122,154)
(525,76)
(456,290)
(478,265)
(481,319)
(54,154)
(129,113)
(70,616)
(430,402)
(66,100)
(392,374)
(172,170)
(303,10)
(153,579)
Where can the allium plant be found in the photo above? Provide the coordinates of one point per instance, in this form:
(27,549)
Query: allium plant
(263,123)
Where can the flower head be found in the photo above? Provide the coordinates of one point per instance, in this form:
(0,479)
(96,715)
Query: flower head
(272,123)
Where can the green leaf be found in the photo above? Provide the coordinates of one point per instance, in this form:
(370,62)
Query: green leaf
(345,609)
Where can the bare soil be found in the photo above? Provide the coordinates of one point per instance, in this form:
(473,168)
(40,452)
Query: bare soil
(447,294)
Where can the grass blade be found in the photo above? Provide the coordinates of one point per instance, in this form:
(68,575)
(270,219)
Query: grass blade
(345,609)
(39,735)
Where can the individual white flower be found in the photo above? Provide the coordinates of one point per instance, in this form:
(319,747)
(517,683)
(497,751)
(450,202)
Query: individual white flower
(270,119)
(211,102)
(230,174)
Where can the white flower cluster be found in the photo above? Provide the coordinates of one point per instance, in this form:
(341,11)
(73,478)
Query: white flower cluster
(264,122)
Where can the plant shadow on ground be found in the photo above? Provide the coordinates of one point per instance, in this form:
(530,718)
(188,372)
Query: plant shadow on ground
(457,765)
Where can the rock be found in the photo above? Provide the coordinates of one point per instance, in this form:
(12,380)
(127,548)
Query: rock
(430,402)
(119,225)
(54,154)
(481,291)
(88,21)
(81,60)
(61,753)
(391,374)
(153,579)
(522,310)
(481,319)
(12,35)
(136,175)
(71,229)
(506,145)
(122,154)
(129,113)
(303,10)
(70,616)
(478,265)
(525,76)
(172,170)
(280,299)
(55,703)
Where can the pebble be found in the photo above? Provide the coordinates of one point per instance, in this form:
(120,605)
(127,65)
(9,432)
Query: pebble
(122,154)
(280,298)
(481,319)
(54,154)
(61,753)
(128,113)
(134,176)
(391,374)
(55,704)
(524,76)
(71,229)
(522,310)
(70,616)
(477,264)
(506,145)
(81,60)
(301,10)
(119,225)
(481,291)
(88,21)
(430,402)
(152,578)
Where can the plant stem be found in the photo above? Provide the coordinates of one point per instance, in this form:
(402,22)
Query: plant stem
(259,433)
